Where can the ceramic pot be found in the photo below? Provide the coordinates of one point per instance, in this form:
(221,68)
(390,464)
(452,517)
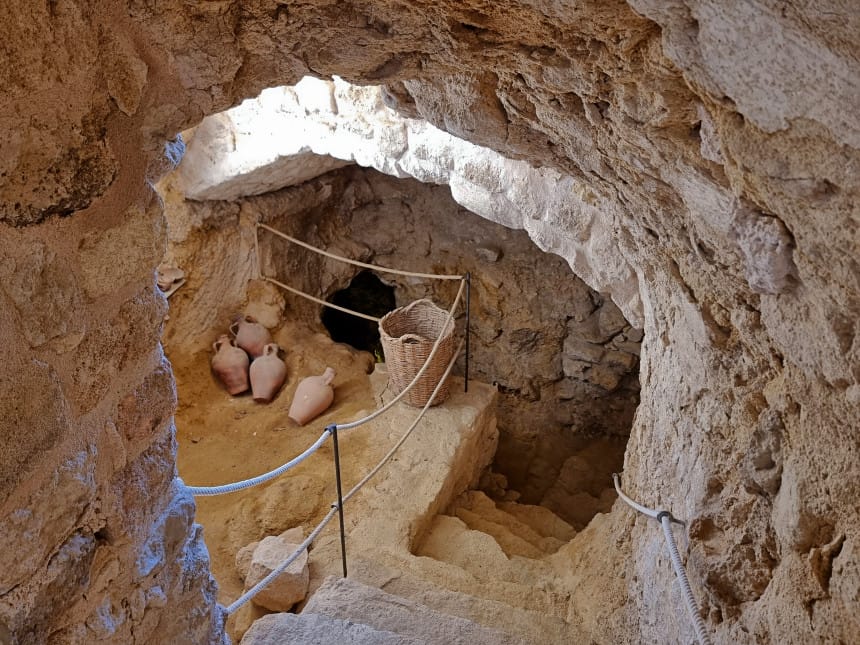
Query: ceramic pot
(230,365)
(313,397)
(250,335)
(268,374)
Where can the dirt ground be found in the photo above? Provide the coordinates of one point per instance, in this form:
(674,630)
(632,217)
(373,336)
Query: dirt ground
(224,439)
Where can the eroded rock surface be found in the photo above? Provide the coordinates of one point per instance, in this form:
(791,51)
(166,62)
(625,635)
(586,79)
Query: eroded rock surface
(289,587)
(739,357)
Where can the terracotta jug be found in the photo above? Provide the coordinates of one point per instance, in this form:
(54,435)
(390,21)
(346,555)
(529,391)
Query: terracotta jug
(268,374)
(313,397)
(230,364)
(250,335)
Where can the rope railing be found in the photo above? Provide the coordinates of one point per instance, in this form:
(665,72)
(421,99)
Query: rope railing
(665,519)
(209,491)
(337,507)
(365,265)
(465,279)
(319,301)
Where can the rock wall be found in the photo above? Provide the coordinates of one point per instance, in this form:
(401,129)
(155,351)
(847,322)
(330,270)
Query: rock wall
(717,141)
(99,534)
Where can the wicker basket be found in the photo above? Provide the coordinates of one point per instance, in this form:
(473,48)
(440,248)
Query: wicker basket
(408,335)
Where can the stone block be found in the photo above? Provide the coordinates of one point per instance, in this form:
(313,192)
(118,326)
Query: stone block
(288,588)
(621,360)
(634,334)
(34,415)
(113,345)
(582,350)
(610,320)
(346,599)
(574,368)
(43,291)
(145,410)
(567,388)
(630,347)
(45,521)
(600,326)
(117,256)
(318,629)
(604,377)
(245,555)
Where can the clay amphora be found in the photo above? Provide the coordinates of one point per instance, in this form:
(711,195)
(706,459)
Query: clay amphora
(268,373)
(313,397)
(230,364)
(250,335)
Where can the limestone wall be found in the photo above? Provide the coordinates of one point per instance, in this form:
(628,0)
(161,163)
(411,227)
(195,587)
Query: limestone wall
(718,141)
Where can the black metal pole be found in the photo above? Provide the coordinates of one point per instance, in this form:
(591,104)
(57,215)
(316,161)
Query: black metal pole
(468,323)
(333,430)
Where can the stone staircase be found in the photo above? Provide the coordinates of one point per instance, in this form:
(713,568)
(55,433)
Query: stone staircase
(431,560)
(481,575)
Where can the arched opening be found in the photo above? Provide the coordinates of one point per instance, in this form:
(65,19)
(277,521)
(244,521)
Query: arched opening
(559,364)
(366,294)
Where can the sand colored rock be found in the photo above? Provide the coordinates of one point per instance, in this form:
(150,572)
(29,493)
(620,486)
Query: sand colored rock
(289,587)
(315,629)
(345,599)
(750,318)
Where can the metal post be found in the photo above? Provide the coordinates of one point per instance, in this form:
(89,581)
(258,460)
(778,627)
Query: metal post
(468,325)
(333,431)
(257,250)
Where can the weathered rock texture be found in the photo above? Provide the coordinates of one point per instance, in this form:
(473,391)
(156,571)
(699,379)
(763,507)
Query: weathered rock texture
(288,588)
(719,141)
(99,537)
(314,629)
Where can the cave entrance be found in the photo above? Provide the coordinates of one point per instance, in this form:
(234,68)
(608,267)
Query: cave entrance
(365,293)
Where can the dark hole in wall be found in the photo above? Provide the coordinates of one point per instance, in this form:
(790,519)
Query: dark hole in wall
(367,294)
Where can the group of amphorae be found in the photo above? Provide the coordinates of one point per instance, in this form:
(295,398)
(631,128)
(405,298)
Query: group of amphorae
(251,358)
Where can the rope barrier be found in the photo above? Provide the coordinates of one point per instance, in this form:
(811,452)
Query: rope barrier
(375,267)
(320,301)
(665,519)
(208,491)
(335,507)
(257,588)
(373,415)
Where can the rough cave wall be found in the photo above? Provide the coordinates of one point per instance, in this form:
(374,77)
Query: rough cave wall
(720,141)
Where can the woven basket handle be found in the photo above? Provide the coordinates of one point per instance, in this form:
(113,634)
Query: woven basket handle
(411,338)
(418,302)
